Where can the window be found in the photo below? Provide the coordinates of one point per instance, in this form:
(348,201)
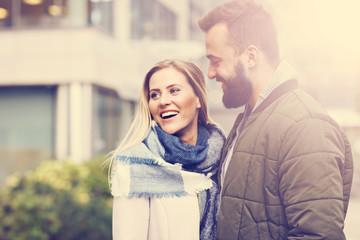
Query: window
(101,15)
(165,23)
(112,118)
(151,19)
(5,13)
(32,13)
(42,12)
(26,127)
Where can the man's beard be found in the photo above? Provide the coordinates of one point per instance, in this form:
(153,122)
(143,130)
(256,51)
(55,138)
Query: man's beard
(238,89)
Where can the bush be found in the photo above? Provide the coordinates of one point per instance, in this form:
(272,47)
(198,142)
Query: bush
(58,200)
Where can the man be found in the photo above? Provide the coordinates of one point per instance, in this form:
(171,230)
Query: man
(286,169)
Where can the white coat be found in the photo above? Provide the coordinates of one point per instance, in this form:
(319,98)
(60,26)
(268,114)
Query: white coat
(166,218)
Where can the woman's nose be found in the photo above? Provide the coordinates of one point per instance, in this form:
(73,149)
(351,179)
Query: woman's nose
(165,99)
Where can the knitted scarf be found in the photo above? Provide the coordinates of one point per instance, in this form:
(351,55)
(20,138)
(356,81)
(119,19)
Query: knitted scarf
(162,166)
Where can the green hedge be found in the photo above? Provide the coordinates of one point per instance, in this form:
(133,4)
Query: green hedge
(57,200)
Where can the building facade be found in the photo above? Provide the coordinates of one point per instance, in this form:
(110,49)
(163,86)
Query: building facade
(71,71)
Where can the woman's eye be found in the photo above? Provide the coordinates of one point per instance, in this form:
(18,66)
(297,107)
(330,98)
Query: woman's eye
(154,95)
(174,90)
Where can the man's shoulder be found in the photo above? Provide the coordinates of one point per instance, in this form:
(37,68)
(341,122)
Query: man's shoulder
(298,104)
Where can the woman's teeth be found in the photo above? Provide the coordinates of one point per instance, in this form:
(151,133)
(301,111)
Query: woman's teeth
(169,114)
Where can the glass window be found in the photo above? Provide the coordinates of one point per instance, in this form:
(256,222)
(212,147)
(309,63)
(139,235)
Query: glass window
(112,118)
(26,127)
(42,12)
(165,22)
(151,19)
(5,13)
(32,13)
(101,15)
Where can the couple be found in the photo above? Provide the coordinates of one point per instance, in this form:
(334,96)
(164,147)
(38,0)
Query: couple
(284,171)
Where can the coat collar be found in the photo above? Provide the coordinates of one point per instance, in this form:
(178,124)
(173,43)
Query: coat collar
(278,92)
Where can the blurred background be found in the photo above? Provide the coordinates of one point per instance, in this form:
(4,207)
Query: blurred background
(70,78)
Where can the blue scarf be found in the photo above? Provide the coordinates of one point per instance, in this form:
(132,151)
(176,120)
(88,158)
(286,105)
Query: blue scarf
(163,166)
(188,156)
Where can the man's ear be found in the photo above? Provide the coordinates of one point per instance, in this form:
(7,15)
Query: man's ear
(252,54)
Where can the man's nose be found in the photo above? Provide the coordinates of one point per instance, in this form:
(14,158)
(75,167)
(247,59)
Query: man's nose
(211,72)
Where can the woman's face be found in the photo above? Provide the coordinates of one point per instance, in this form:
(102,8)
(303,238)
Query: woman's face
(173,104)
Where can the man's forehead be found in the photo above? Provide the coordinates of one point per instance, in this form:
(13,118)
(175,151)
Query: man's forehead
(220,27)
(217,42)
(217,34)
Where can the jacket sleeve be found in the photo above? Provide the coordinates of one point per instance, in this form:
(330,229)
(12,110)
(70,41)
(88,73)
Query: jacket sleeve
(130,218)
(310,180)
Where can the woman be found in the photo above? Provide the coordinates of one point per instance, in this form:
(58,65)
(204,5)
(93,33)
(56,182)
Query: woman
(163,175)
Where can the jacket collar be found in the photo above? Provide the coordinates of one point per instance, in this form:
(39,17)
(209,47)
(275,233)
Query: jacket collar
(278,92)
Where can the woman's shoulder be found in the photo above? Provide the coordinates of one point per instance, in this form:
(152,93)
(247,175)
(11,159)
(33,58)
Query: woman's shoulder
(215,129)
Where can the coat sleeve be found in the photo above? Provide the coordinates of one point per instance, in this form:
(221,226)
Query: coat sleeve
(130,218)
(310,180)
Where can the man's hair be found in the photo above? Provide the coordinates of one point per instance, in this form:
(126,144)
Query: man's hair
(248,24)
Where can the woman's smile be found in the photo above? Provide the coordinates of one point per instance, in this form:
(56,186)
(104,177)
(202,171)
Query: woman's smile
(169,114)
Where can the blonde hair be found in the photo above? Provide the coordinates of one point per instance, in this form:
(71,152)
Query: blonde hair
(141,124)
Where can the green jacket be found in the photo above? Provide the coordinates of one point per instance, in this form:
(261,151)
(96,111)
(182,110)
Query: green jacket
(290,174)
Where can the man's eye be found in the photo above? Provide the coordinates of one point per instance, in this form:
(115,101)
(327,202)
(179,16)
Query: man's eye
(154,95)
(215,63)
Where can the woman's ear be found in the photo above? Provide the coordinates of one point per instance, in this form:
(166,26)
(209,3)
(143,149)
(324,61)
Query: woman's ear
(198,104)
